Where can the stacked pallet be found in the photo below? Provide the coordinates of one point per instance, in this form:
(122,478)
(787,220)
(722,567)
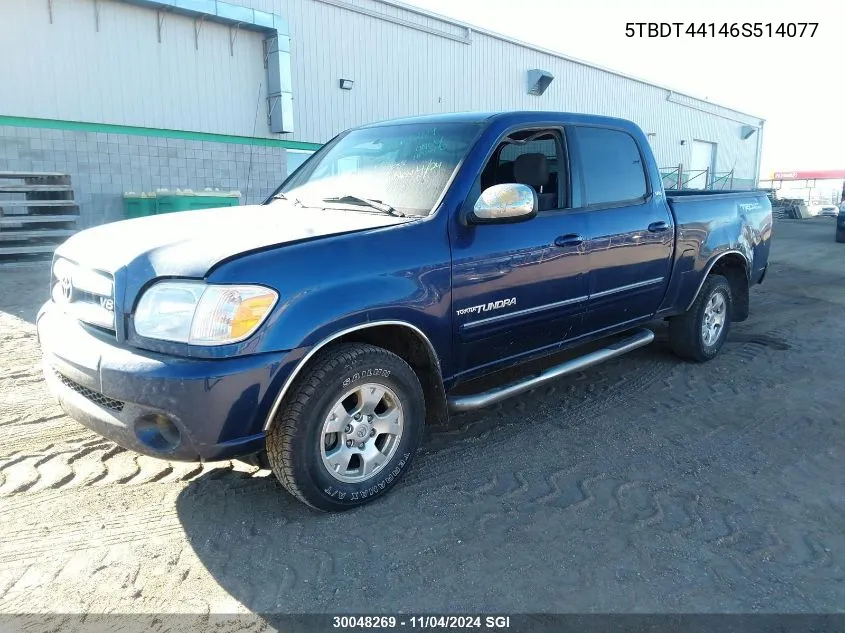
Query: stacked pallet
(790,208)
(37,213)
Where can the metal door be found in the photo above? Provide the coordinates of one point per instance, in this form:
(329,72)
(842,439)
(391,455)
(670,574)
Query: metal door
(702,165)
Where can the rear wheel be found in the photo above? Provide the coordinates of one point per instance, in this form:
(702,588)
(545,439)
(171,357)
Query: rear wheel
(699,333)
(840,235)
(349,428)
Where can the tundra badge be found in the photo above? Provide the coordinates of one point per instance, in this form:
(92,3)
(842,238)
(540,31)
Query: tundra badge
(486,307)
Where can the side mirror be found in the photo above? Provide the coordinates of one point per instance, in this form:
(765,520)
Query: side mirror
(509,202)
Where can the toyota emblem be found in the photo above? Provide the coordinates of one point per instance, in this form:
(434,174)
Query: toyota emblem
(66,287)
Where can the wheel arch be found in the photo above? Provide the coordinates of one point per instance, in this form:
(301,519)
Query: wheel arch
(399,337)
(734,266)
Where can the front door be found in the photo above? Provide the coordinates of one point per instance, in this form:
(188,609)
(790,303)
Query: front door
(630,232)
(519,288)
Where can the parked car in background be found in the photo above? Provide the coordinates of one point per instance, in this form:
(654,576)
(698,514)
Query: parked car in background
(828,211)
(323,329)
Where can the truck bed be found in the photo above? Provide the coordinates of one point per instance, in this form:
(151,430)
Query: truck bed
(712,193)
(712,223)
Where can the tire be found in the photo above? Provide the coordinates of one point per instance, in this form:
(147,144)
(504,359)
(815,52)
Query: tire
(840,236)
(687,337)
(313,427)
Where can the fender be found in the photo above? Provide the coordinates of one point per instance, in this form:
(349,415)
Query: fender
(710,266)
(316,348)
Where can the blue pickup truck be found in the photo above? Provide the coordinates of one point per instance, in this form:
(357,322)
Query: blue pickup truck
(321,330)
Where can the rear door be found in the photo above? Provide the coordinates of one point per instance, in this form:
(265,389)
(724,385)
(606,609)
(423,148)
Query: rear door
(519,288)
(630,230)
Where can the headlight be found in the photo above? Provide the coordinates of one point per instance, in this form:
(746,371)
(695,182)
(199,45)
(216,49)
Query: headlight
(202,314)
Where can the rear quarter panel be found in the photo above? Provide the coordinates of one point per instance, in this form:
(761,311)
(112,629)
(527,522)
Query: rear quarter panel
(710,226)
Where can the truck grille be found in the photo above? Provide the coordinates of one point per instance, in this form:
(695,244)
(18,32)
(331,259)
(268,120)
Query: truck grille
(97,398)
(84,293)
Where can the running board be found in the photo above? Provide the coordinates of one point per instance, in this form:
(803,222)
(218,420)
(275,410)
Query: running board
(638,338)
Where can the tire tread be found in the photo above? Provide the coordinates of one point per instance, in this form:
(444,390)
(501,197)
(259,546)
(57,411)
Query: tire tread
(281,436)
(684,337)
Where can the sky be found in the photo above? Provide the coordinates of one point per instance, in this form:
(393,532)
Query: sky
(796,84)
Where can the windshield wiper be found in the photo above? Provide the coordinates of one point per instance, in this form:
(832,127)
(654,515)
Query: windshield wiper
(378,205)
(280,196)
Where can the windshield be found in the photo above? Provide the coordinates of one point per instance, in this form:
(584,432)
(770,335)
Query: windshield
(406,167)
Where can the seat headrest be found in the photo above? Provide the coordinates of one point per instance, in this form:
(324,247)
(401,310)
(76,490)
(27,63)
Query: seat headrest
(531,169)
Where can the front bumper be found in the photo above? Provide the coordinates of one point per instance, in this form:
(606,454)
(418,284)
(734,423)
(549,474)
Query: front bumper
(164,406)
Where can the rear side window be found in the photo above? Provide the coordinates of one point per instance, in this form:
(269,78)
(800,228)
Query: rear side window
(611,165)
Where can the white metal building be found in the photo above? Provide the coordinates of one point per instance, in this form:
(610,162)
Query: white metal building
(131,95)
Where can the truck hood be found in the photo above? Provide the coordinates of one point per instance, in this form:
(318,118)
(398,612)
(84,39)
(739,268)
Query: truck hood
(190,243)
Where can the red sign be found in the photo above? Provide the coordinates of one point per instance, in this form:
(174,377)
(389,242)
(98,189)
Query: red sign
(824,174)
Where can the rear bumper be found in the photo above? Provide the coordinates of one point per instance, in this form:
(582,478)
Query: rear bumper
(168,407)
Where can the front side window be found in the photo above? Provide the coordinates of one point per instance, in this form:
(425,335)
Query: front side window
(529,158)
(404,166)
(611,165)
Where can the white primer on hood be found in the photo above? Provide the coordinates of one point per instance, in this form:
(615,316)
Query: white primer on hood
(191,242)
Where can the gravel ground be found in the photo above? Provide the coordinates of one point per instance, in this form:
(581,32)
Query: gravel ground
(644,485)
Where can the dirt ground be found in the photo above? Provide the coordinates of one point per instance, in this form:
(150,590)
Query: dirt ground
(644,485)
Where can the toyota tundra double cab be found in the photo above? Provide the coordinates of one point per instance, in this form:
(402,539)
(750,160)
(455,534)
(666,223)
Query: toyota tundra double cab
(322,329)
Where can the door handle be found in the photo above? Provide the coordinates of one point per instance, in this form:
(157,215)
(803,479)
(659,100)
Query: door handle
(570,239)
(657,227)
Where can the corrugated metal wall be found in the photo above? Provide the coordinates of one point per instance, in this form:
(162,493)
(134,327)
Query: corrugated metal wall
(399,71)
(123,75)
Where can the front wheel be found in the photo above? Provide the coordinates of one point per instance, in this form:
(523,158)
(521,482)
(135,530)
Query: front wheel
(349,428)
(700,332)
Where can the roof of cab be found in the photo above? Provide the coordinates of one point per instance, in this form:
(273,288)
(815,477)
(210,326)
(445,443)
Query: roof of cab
(446,117)
(515,116)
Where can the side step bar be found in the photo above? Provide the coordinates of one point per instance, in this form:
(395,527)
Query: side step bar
(638,338)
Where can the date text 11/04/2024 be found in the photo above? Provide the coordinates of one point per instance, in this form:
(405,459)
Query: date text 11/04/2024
(356,622)
(725,29)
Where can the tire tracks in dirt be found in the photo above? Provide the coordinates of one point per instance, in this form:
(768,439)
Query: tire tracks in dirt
(566,403)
